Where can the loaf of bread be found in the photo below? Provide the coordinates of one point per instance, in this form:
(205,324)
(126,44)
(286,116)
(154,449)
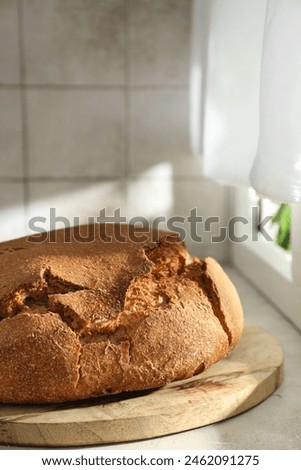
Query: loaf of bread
(103,309)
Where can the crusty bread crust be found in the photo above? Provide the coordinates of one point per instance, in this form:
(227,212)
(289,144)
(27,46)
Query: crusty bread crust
(79,320)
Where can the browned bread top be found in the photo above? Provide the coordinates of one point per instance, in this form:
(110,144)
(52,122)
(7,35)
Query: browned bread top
(103,309)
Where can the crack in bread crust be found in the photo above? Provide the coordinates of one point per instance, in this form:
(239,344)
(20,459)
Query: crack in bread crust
(214,299)
(35,294)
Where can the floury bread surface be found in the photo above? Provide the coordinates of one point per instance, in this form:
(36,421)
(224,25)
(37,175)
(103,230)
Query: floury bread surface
(87,313)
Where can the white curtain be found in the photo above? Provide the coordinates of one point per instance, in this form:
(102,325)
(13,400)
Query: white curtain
(252,112)
(276,171)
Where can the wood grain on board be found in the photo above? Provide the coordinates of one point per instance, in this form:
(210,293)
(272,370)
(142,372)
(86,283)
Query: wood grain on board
(235,384)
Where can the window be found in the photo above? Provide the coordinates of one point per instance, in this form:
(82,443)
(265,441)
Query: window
(258,255)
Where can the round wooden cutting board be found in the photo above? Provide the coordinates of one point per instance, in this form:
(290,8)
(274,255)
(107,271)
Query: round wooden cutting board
(242,380)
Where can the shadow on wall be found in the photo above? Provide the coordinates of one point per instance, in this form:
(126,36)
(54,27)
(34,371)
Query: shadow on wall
(94,113)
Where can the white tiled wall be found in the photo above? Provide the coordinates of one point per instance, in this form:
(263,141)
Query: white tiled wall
(74,42)
(94,113)
(75,133)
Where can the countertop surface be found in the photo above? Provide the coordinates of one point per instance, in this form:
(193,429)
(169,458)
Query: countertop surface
(275,423)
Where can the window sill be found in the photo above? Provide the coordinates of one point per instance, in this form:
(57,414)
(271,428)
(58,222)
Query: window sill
(269,270)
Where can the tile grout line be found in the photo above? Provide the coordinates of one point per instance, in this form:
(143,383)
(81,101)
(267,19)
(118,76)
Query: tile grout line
(127,97)
(76,87)
(66,179)
(24,130)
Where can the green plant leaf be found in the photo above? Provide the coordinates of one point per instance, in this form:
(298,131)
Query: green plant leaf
(283,218)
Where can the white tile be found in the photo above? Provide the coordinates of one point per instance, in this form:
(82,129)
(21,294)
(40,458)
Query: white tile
(79,203)
(209,200)
(74,42)
(12,213)
(10,133)
(151,195)
(188,165)
(76,133)
(159,131)
(9,47)
(159,42)
(218,251)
